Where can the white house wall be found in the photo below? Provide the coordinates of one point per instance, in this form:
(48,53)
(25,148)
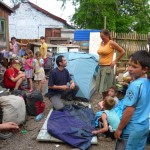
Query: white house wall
(67,33)
(28,23)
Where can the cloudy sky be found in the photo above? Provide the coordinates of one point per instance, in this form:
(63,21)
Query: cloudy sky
(54,7)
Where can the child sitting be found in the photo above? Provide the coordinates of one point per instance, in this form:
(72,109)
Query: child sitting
(108,117)
(112,91)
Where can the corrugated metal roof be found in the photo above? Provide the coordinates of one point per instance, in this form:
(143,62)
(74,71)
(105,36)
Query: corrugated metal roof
(83,35)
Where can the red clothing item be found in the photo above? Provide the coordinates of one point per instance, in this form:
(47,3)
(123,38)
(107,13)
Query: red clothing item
(9,73)
(45,61)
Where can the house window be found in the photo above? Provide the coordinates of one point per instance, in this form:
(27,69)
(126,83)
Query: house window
(2,33)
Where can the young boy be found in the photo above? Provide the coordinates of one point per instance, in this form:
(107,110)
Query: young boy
(112,91)
(134,125)
(108,116)
(43,49)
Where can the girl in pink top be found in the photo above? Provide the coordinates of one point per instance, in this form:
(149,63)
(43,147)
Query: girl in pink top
(29,69)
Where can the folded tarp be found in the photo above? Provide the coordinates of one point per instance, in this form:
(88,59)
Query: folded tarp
(73,125)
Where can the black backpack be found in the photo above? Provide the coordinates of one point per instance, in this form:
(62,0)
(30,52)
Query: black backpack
(49,62)
(20,93)
(35,104)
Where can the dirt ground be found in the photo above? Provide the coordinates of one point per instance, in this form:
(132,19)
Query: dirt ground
(20,141)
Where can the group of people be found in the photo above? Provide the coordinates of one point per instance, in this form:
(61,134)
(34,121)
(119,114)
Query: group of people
(32,66)
(136,105)
(133,127)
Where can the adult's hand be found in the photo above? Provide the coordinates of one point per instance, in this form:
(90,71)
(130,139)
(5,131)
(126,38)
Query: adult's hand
(9,126)
(72,85)
(113,63)
(64,87)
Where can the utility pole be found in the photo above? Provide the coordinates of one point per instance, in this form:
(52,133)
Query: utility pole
(149,42)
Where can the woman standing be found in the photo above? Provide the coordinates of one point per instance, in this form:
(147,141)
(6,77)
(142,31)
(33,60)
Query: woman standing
(105,77)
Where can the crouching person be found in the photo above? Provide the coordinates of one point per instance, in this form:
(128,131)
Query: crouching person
(13,78)
(60,84)
(109,120)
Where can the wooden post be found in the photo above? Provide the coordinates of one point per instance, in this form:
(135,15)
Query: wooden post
(149,42)
(105,22)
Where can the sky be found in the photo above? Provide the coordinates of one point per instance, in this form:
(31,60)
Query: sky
(54,7)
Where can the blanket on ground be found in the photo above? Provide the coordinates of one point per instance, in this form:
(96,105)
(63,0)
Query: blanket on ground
(73,125)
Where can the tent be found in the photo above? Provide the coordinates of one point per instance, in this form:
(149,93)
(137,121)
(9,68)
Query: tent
(82,68)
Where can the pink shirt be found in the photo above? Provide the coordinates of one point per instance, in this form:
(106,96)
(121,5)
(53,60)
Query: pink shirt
(28,61)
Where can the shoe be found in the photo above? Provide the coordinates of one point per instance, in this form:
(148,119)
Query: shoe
(31,90)
(69,99)
(46,95)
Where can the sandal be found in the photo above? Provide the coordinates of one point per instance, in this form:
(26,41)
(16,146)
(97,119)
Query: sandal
(31,90)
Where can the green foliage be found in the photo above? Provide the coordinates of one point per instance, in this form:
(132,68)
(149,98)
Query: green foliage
(122,15)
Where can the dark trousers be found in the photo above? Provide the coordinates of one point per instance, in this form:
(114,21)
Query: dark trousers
(107,133)
(70,94)
(66,95)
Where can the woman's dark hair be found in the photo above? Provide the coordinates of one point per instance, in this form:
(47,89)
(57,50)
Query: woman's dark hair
(59,59)
(106,33)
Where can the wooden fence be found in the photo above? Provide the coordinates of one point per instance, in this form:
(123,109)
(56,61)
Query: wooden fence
(131,42)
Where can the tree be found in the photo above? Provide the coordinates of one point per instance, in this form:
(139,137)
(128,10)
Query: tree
(122,15)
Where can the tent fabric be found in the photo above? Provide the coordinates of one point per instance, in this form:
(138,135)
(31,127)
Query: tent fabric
(82,67)
(73,125)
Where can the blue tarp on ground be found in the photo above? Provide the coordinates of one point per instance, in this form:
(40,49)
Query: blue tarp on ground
(82,67)
(73,125)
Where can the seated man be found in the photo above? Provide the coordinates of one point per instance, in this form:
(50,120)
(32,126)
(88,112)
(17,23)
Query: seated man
(13,78)
(60,84)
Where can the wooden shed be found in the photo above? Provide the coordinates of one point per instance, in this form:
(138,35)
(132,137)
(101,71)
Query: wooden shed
(5,11)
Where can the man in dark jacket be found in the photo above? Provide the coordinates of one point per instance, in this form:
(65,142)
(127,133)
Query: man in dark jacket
(60,84)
